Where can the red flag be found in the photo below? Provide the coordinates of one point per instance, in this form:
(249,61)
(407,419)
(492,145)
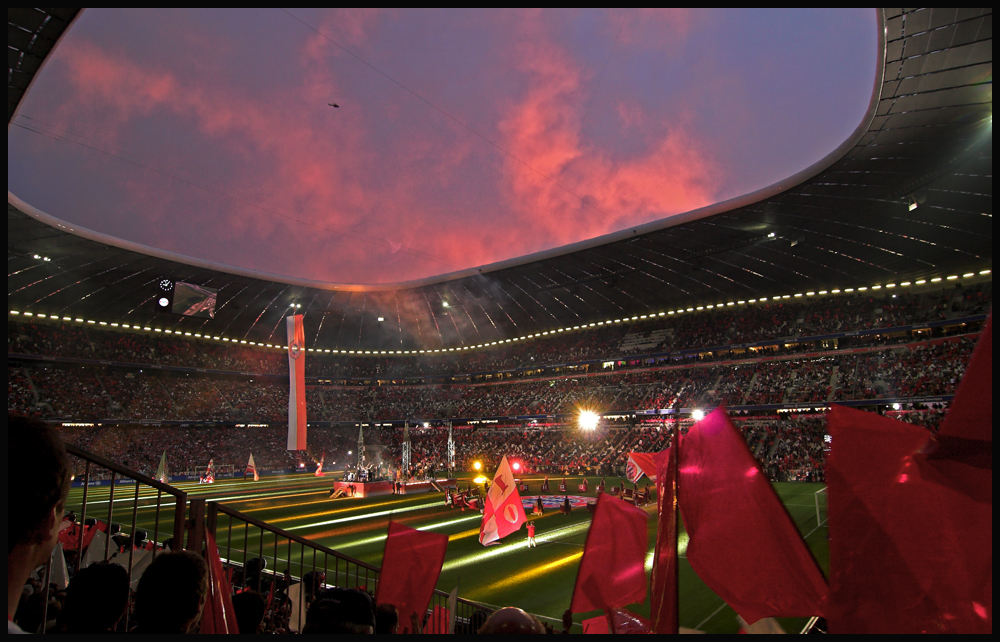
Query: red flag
(411,566)
(623,621)
(438,622)
(297,383)
(69,535)
(664,607)
(218,616)
(503,512)
(743,544)
(612,572)
(270,595)
(640,464)
(964,444)
(911,516)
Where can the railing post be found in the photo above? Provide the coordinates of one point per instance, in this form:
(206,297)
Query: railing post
(180,514)
(211,518)
(83,516)
(196,533)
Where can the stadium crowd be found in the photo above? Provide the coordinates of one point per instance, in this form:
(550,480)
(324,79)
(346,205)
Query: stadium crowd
(701,329)
(73,393)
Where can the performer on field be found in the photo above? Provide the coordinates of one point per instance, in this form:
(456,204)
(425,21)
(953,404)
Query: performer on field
(539,507)
(531,536)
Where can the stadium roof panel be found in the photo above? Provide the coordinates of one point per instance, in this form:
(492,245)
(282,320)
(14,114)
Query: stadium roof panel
(928,140)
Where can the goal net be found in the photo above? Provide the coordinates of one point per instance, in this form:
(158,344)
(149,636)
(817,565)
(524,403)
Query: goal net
(821,506)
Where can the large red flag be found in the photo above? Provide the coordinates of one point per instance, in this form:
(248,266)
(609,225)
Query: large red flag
(911,516)
(296,382)
(743,544)
(612,571)
(664,606)
(503,512)
(218,616)
(411,566)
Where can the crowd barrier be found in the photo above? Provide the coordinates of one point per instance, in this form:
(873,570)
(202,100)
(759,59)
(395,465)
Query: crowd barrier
(102,514)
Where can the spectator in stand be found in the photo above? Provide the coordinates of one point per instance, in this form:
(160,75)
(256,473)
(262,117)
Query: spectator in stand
(249,607)
(35,510)
(172,594)
(341,610)
(95,600)
(509,620)
(386,619)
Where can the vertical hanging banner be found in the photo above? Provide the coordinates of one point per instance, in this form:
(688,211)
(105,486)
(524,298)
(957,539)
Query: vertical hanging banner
(296,383)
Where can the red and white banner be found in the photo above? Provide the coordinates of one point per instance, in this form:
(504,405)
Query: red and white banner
(252,469)
(640,464)
(504,513)
(297,383)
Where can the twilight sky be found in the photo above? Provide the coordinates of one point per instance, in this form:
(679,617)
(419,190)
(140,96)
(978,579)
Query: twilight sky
(462,137)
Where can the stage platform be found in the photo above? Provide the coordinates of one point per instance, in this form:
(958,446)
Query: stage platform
(374,489)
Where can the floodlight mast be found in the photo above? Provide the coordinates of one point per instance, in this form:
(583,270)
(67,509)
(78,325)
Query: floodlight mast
(451,449)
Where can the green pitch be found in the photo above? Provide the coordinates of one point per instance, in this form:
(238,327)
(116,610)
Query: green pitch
(539,580)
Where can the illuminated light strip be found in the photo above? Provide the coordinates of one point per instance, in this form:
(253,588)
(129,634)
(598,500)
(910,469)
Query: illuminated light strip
(530,574)
(682,546)
(99,494)
(346,509)
(530,336)
(380,538)
(497,551)
(355,518)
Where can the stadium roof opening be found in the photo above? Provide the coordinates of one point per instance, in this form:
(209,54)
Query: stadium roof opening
(383,147)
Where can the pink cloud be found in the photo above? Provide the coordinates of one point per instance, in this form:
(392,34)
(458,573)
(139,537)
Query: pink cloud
(584,192)
(311,192)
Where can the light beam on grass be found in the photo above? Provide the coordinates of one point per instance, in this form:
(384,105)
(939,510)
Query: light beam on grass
(500,550)
(528,575)
(354,518)
(345,509)
(381,538)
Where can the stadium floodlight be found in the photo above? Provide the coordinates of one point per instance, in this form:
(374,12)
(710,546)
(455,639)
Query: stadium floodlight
(477,465)
(588,420)
(516,465)
(698,415)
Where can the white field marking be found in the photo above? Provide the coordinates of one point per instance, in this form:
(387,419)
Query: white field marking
(714,613)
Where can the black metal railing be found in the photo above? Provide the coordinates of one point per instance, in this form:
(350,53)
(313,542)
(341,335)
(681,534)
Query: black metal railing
(140,516)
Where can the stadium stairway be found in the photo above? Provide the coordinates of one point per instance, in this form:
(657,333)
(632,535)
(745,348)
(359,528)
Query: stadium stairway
(834,383)
(750,385)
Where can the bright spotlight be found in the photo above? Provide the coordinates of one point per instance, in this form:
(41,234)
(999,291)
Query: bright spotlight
(517,465)
(698,415)
(480,480)
(350,452)
(896,406)
(588,420)
(477,465)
